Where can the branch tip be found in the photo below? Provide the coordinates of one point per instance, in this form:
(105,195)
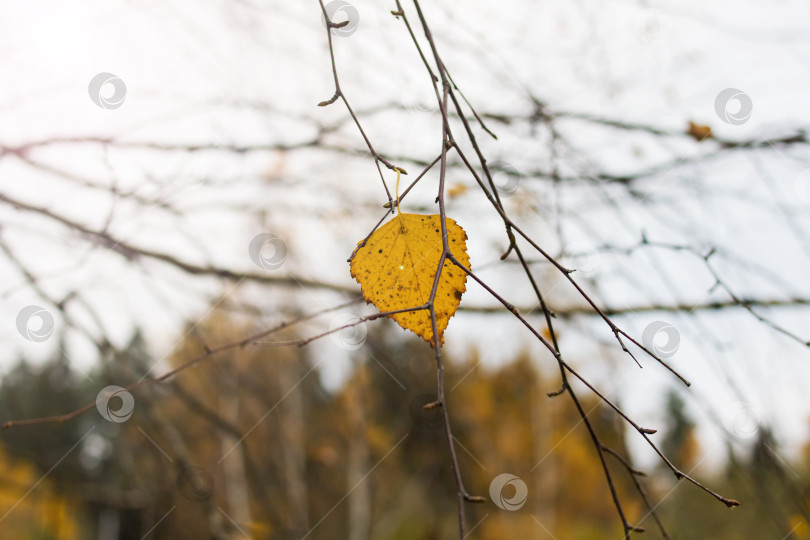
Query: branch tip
(329,101)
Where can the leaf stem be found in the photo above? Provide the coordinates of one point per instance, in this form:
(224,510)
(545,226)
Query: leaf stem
(399,210)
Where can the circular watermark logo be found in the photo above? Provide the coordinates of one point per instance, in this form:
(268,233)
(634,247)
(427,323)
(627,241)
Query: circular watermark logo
(653,28)
(108,91)
(803,186)
(417,96)
(741,420)
(195,483)
(267,251)
(582,257)
(426,412)
(496,492)
(419,364)
(339,11)
(733,106)
(661,338)
(35,323)
(189,180)
(106,405)
(353,336)
(505,177)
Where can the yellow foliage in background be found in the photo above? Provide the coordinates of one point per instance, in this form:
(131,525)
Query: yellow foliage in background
(30,507)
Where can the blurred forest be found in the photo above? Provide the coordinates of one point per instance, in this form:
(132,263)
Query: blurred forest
(365,461)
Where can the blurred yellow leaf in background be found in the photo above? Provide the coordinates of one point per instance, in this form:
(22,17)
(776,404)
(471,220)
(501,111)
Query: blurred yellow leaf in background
(699,132)
(456,190)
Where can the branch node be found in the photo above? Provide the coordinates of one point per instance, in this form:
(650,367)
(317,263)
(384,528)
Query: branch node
(512,243)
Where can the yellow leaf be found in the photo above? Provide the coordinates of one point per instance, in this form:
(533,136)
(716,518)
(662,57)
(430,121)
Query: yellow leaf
(397,266)
(699,132)
(456,189)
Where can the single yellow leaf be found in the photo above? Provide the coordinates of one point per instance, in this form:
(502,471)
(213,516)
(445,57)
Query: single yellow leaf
(456,190)
(699,132)
(397,266)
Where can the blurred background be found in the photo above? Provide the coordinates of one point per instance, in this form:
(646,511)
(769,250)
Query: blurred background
(176,215)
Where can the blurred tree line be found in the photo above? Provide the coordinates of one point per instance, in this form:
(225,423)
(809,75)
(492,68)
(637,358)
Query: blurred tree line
(250,444)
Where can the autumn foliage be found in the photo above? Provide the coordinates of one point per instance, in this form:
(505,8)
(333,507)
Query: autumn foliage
(363,460)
